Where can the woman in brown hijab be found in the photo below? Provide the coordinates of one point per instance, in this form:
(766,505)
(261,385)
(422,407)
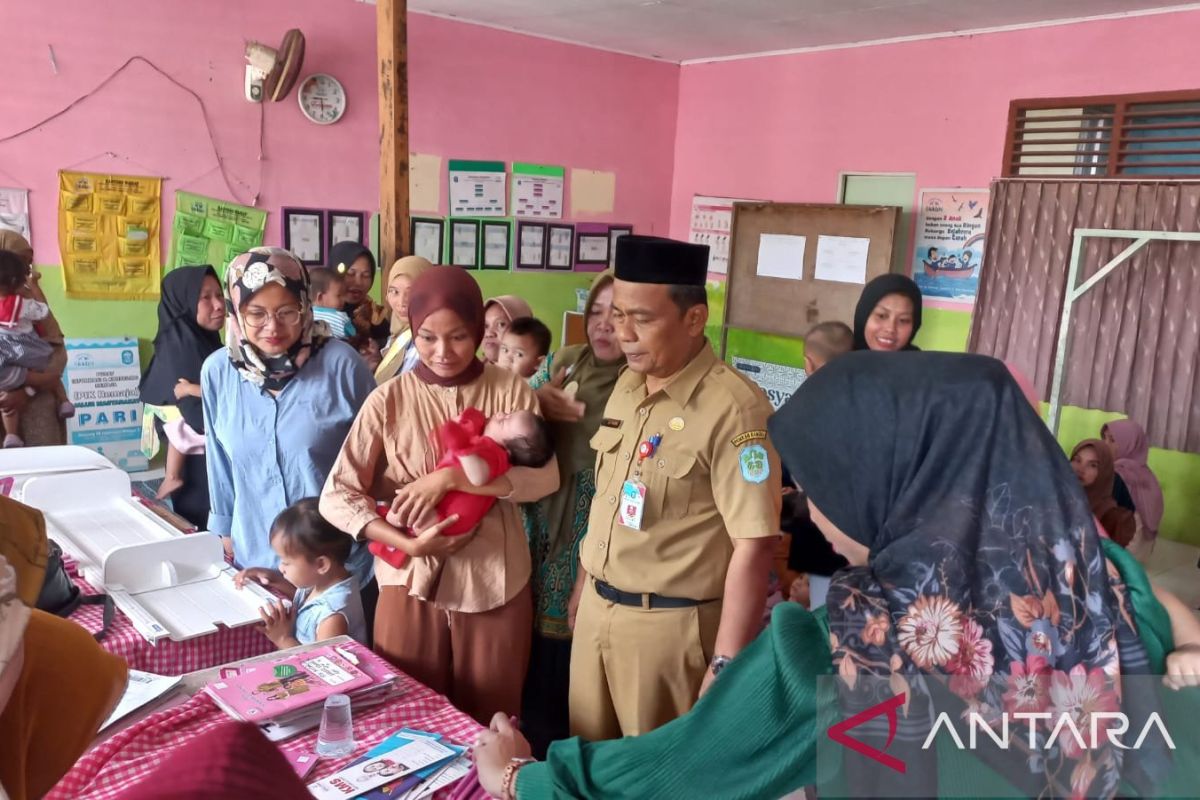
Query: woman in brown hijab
(1093,463)
(461,605)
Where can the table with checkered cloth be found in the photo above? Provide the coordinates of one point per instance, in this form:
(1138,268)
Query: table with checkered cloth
(167,657)
(131,755)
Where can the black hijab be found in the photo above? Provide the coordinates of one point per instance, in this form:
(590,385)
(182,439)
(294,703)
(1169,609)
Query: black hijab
(875,291)
(343,255)
(181,345)
(984,559)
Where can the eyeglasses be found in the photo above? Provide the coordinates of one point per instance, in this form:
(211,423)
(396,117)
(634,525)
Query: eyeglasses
(286,317)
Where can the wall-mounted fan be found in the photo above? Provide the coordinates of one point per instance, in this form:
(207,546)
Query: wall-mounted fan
(271,72)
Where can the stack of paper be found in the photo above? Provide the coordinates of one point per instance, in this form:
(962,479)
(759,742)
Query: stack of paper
(405,779)
(382,689)
(143,689)
(285,696)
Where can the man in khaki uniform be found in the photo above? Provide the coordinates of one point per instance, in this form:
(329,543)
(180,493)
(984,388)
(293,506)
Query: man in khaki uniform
(683,524)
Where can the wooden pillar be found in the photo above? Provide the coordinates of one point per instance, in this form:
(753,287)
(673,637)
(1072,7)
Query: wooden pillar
(392,30)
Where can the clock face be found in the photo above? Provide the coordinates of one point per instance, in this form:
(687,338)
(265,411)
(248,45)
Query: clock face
(322,99)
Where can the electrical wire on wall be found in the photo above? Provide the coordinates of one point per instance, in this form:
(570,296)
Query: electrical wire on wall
(225,176)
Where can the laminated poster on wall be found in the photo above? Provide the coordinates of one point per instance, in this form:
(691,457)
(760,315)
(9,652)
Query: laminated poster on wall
(14,211)
(712,225)
(477,188)
(537,191)
(108,235)
(102,379)
(949,245)
(211,231)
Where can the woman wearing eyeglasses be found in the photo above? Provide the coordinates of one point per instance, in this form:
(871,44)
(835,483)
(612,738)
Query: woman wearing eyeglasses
(278,401)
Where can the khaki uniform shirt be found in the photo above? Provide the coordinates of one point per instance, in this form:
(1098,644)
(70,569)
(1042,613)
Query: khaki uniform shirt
(713,478)
(393,442)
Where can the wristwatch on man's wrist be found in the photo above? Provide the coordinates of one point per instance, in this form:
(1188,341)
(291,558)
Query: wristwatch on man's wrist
(717,664)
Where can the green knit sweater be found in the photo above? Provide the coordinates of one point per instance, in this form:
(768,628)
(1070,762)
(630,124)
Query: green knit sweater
(754,734)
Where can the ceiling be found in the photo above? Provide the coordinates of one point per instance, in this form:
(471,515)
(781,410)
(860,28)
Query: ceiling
(683,30)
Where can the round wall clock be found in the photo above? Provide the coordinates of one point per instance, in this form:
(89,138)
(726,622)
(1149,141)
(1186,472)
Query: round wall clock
(322,98)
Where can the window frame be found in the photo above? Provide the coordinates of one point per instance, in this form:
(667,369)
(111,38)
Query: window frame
(1116,163)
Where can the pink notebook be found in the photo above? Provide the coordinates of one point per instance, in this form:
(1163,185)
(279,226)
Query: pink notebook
(268,689)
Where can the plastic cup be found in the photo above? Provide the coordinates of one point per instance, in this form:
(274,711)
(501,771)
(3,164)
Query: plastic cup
(336,737)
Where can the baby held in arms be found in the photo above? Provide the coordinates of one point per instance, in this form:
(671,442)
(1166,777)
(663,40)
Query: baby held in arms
(484,449)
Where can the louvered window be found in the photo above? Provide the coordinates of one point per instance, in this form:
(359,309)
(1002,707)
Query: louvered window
(1104,137)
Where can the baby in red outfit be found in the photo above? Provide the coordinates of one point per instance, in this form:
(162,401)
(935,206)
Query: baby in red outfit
(484,449)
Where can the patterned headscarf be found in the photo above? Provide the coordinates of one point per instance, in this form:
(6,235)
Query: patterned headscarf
(985,581)
(246,276)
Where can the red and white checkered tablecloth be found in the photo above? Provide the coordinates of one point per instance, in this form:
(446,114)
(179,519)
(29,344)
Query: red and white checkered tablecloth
(130,756)
(168,657)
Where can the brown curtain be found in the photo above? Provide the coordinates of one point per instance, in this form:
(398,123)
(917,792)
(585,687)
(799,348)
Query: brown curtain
(1135,344)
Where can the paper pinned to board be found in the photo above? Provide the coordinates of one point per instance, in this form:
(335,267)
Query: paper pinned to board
(842,259)
(781,256)
(424,182)
(592,191)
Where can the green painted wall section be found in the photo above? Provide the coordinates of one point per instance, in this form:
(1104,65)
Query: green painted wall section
(549,294)
(1179,473)
(944,330)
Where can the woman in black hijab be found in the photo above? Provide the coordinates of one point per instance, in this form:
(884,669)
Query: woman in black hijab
(975,567)
(356,262)
(888,314)
(191,313)
(974,558)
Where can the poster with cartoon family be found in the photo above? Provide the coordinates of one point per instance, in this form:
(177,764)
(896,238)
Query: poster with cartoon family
(948,253)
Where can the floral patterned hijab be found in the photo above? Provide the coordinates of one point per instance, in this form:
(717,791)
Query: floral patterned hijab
(986,580)
(246,276)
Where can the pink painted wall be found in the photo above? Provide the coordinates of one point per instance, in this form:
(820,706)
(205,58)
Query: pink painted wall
(474,93)
(782,128)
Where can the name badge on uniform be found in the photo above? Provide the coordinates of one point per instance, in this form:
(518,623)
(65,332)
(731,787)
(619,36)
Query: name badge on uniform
(633,503)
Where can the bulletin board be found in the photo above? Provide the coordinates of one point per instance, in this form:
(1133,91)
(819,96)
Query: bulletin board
(758,298)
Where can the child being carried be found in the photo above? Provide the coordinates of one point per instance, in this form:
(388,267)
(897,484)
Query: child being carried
(485,449)
(24,355)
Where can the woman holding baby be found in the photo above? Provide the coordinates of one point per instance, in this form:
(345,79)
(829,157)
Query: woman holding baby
(458,605)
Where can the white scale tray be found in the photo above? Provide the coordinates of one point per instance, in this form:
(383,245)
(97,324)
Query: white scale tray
(169,584)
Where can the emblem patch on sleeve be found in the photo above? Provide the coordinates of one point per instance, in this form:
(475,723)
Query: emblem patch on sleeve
(756,467)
